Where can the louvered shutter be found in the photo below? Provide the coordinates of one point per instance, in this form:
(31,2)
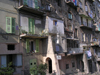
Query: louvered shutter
(13,25)
(27,46)
(37,45)
(8,24)
(3,61)
(30,26)
(25,2)
(33,26)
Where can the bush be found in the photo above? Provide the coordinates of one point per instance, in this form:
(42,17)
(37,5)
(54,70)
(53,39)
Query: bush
(7,70)
(40,69)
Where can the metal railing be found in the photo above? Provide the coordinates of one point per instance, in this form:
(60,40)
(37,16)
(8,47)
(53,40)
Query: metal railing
(75,50)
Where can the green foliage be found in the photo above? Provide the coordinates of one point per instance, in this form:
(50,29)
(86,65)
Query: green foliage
(7,70)
(39,69)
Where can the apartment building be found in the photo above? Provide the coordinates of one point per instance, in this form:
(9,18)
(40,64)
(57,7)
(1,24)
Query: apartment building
(62,33)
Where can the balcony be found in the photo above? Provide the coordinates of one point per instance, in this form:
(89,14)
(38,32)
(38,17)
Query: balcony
(84,25)
(95,43)
(37,33)
(38,11)
(75,51)
(72,3)
(90,1)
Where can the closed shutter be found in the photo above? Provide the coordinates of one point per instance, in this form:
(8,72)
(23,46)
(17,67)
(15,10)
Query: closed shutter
(30,26)
(27,46)
(13,25)
(19,60)
(32,63)
(36,4)
(3,61)
(8,24)
(25,2)
(37,45)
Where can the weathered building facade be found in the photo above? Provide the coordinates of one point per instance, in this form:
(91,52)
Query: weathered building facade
(62,33)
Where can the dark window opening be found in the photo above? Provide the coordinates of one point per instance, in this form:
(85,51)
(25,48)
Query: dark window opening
(67,66)
(32,46)
(58,2)
(81,21)
(73,64)
(11,47)
(54,22)
(70,16)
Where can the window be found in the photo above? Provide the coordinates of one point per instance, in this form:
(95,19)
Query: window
(11,47)
(73,64)
(69,27)
(15,59)
(32,46)
(83,37)
(58,2)
(75,33)
(54,22)
(67,66)
(69,15)
(10,25)
(81,21)
(31,26)
(87,22)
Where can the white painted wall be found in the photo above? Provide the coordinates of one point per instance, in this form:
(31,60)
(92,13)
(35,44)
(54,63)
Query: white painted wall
(24,23)
(59,28)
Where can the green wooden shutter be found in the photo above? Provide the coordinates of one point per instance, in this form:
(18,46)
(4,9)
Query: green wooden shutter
(13,25)
(33,23)
(30,25)
(27,46)
(37,45)
(8,24)
(36,4)
(32,63)
(25,2)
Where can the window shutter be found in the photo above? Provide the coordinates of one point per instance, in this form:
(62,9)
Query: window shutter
(27,46)
(37,45)
(13,25)
(32,63)
(3,61)
(33,26)
(25,2)
(30,26)
(19,60)
(36,4)
(8,24)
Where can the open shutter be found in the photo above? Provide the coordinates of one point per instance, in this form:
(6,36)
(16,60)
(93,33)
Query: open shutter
(3,61)
(25,2)
(37,45)
(19,60)
(30,26)
(8,24)
(32,63)
(33,26)
(27,46)
(13,25)
(36,4)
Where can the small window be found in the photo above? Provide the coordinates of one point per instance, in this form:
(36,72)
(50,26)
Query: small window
(67,66)
(11,47)
(54,22)
(69,15)
(73,64)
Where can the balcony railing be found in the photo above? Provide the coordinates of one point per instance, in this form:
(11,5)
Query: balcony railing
(84,25)
(95,43)
(75,50)
(72,3)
